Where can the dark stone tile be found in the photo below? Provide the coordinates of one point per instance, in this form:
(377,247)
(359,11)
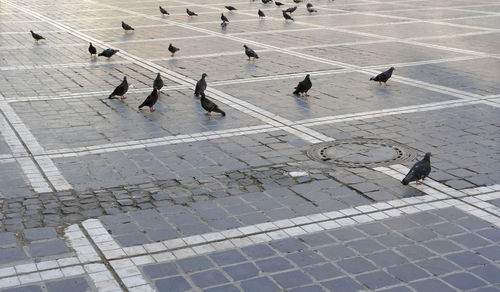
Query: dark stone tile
(258,251)
(386,258)
(31,288)
(173,284)
(11,254)
(242,271)
(288,245)
(377,280)
(324,271)
(488,273)
(47,248)
(466,259)
(262,284)
(160,270)
(464,281)
(343,284)
(408,272)
(227,257)
(194,264)
(437,266)
(292,279)
(74,285)
(336,252)
(356,265)
(208,278)
(431,285)
(305,258)
(274,264)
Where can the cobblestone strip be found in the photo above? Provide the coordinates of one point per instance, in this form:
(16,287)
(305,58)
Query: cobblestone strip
(28,141)
(308,135)
(30,170)
(86,261)
(126,269)
(472,205)
(175,249)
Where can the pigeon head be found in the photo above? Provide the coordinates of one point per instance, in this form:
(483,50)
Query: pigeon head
(31,31)
(245,46)
(392,69)
(124,78)
(427,156)
(204,75)
(158,74)
(307,76)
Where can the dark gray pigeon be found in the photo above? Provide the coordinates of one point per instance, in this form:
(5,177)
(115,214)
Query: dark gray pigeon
(201,85)
(420,170)
(286,16)
(191,13)
(120,90)
(267,1)
(108,53)
(310,9)
(36,36)
(224,18)
(172,49)
(250,53)
(261,14)
(230,8)
(150,100)
(309,5)
(383,77)
(158,83)
(291,9)
(278,3)
(126,27)
(209,105)
(303,86)
(163,11)
(92,50)
(297,1)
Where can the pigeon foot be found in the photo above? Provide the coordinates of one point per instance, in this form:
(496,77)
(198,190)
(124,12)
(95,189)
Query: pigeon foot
(151,110)
(123,97)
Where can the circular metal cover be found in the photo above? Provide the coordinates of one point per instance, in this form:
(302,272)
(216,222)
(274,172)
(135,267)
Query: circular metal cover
(362,152)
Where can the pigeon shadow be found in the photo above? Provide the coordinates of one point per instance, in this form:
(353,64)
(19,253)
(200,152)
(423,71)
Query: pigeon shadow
(127,36)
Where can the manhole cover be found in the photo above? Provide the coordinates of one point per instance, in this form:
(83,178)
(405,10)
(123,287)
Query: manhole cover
(362,152)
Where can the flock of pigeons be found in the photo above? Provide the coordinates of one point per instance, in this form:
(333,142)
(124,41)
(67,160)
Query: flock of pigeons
(419,171)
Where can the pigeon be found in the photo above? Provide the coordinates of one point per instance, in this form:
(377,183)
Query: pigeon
(172,49)
(201,85)
(92,50)
(158,83)
(120,90)
(310,8)
(108,53)
(286,16)
(126,27)
(223,24)
(383,77)
(230,8)
(163,11)
(303,86)
(36,36)
(224,18)
(210,106)
(278,3)
(266,1)
(191,13)
(250,53)
(420,170)
(150,100)
(291,9)
(261,14)
(297,1)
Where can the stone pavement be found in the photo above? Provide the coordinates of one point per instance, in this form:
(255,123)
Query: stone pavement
(98,196)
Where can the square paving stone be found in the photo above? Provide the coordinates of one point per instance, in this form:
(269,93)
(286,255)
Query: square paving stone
(343,284)
(377,280)
(346,233)
(160,270)
(75,284)
(7,238)
(386,258)
(224,288)
(132,239)
(431,285)
(442,246)
(47,248)
(262,284)
(317,239)
(491,252)
(274,264)
(407,272)
(30,288)
(365,246)
(336,252)
(242,271)
(194,264)
(356,265)
(324,271)
(174,284)
(292,279)
(288,245)
(437,266)
(208,278)
(305,258)
(488,273)
(466,259)
(224,258)
(258,251)
(464,281)
(470,240)
(415,252)
(11,254)
(39,233)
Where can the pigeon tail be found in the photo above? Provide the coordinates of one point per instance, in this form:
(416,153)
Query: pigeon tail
(218,110)
(408,178)
(372,79)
